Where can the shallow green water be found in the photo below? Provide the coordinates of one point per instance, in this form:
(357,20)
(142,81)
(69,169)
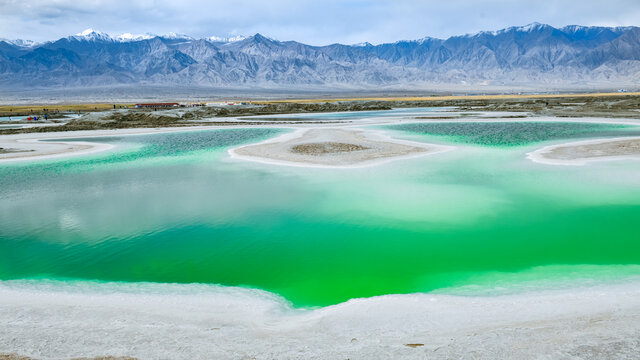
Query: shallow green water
(175,208)
(515,133)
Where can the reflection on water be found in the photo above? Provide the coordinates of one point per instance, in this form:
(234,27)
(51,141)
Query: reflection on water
(175,208)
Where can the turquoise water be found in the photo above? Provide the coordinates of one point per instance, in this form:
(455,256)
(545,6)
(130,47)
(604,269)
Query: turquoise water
(515,133)
(174,208)
(358,115)
(21,118)
(13,118)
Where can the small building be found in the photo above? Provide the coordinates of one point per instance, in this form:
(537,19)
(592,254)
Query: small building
(156,105)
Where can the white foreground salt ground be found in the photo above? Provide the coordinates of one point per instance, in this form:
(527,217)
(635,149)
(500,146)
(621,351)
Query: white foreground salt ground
(59,321)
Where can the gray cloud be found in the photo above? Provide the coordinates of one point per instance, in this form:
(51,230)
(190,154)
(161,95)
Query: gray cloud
(313,22)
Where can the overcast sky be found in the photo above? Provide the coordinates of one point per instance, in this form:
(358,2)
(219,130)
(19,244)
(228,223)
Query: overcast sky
(312,22)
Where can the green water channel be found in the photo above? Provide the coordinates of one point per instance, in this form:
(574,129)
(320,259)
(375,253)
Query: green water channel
(174,208)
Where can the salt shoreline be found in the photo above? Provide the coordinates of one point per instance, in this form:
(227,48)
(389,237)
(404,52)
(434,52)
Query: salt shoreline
(580,153)
(378,148)
(156,321)
(56,147)
(33,146)
(30,146)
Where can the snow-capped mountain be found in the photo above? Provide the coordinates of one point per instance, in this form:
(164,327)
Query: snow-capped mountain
(20,42)
(98,36)
(226,39)
(91,35)
(534,54)
(134,37)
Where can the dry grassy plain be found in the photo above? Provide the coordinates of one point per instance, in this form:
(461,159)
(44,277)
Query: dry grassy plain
(98,116)
(457,97)
(9,110)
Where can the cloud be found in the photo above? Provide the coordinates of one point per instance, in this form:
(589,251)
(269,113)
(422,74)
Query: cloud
(313,22)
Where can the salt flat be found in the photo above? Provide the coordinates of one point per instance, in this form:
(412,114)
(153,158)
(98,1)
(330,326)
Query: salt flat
(325,246)
(333,147)
(581,152)
(182,322)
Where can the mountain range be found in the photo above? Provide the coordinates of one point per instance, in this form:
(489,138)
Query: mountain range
(533,54)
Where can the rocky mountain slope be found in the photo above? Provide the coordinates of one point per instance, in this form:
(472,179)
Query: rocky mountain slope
(534,53)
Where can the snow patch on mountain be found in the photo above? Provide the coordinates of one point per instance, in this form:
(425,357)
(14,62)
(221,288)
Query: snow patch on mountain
(229,39)
(95,35)
(91,35)
(21,43)
(126,37)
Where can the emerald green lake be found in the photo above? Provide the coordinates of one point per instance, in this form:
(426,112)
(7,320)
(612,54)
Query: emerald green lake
(174,208)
